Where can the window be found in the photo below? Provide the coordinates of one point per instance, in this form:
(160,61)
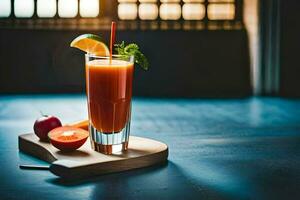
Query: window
(179,9)
(127,11)
(170,11)
(24,8)
(131,14)
(67,8)
(148,11)
(89,8)
(46,8)
(49,8)
(5,8)
(220,11)
(193,11)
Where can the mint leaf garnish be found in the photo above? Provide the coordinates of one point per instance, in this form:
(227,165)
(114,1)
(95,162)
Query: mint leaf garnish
(133,50)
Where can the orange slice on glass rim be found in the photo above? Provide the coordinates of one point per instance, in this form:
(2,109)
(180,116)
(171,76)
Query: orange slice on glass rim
(91,44)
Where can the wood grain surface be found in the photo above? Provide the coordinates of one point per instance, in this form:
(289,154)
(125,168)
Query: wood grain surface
(86,162)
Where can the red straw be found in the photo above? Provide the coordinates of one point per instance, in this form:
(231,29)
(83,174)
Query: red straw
(112,37)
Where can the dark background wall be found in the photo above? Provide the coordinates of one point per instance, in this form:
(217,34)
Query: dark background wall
(198,63)
(290,48)
(194,63)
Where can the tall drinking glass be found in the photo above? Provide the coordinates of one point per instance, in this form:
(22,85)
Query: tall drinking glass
(109,92)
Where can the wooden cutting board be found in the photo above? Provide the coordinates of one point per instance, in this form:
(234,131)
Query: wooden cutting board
(86,162)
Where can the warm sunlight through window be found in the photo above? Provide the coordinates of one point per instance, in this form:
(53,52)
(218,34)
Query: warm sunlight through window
(89,8)
(148,11)
(169,1)
(220,1)
(24,8)
(181,9)
(5,8)
(147,1)
(127,1)
(221,11)
(46,8)
(193,11)
(164,14)
(170,11)
(127,11)
(193,1)
(67,8)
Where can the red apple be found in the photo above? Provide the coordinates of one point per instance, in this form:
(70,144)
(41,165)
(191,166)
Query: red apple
(43,125)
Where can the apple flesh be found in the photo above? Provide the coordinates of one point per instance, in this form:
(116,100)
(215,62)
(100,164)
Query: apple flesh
(43,125)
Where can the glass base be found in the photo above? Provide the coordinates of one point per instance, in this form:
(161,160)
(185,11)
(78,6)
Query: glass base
(109,149)
(109,143)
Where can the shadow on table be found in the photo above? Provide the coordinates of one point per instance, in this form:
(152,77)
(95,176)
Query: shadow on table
(166,181)
(106,177)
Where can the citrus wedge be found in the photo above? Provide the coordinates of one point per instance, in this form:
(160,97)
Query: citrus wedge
(84,124)
(68,138)
(91,44)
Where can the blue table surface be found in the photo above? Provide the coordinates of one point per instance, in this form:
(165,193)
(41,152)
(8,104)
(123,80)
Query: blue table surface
(218,149)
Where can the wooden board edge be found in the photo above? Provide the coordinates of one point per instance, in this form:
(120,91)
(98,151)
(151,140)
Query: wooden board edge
(110,167)
(34,149)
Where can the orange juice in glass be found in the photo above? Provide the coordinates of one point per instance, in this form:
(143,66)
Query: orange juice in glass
(109,92)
